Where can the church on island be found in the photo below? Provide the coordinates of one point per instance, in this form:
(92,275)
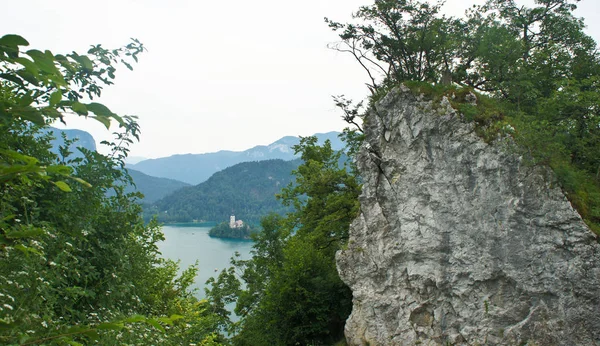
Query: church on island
(235,224)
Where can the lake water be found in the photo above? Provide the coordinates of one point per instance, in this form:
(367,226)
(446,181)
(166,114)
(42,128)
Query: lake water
(191,243)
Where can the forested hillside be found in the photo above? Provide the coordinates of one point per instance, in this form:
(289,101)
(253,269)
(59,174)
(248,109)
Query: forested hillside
(247,189)
(152,188)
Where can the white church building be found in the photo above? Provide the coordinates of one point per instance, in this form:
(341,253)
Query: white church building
(235,224)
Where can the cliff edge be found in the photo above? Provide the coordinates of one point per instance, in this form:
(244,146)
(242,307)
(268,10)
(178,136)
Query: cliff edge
(462,242)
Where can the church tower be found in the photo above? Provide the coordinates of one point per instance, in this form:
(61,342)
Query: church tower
(232,221)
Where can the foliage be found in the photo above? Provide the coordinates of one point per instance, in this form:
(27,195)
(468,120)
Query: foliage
(76,265)
(401,40)
(535,72)
(223,230)
(247,189)
(292,293)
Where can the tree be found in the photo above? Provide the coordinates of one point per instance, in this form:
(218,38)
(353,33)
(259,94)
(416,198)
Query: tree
(500,47)
(536,62)
(76,265)
(291,290)
(400,40)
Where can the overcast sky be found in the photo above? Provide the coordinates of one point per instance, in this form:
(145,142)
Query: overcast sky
(217,74)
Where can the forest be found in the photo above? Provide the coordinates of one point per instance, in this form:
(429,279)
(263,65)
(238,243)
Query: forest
(246,189)
(79,266)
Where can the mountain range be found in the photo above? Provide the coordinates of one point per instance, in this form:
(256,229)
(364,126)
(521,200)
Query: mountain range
(83,139)
(166,182)
(246,189)
(153,188)
(197,168)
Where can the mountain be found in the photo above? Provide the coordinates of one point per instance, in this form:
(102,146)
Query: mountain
(84,139)
(153,188)
(246,189)
(196,168)
(131,160)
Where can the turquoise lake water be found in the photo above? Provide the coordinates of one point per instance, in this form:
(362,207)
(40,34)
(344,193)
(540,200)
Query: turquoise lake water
(191,243)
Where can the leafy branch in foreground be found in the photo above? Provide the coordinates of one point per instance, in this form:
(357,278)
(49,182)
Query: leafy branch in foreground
(78,265)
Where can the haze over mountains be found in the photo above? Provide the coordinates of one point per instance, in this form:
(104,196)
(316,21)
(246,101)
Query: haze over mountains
(196,168)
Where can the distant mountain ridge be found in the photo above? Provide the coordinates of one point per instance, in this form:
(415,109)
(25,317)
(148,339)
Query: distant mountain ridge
(197,168)
(247,189)
(84,140)
(153,188)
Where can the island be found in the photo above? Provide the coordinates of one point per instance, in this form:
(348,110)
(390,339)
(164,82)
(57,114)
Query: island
(234,229)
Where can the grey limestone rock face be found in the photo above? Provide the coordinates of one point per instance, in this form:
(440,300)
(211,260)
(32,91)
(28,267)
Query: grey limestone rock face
(460,242)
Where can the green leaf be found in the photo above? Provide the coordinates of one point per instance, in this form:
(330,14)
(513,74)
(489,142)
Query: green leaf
(170,320)
(59,169)
(74,343)
(45,61)
(27,250)
(81,181)
(135,319)
(13,41)
(110,326)
(24,338)
(26,232)
(62,185)
(18,156)
(85,62)
(28,76)
(55,98)
(118,119)
(99,109)
(31,114)
(104,120)
(79,108)
(51,112)
(26,100)
(29,65)
(64,62)
(127,64)
(155,324)
(175,317)
(12,78)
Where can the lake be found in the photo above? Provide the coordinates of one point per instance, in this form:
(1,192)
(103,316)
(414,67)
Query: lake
(190,243)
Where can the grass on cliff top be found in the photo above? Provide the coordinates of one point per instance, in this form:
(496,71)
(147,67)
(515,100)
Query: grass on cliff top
(494,118)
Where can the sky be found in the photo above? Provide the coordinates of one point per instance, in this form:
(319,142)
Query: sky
(218,75)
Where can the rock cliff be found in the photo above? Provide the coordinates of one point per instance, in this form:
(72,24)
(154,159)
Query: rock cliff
(461,242)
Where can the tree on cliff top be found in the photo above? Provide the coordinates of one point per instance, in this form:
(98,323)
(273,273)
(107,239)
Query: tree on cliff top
(494,49)
(537,62)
